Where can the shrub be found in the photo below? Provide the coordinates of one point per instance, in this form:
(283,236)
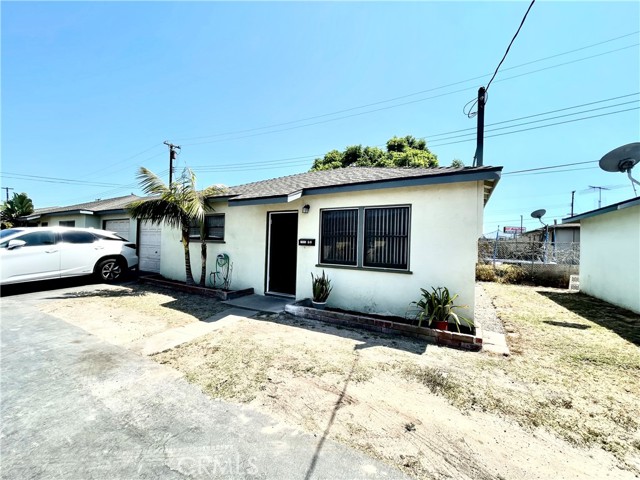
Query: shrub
(485,273)
(511,274)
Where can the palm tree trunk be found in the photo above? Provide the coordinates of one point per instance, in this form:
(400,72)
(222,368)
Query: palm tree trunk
(187,257)
(203,257)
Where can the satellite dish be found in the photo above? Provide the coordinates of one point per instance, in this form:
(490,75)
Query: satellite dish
(622,159)
(538,213)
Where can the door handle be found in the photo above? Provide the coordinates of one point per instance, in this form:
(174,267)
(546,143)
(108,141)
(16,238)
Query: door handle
(99,247)
(51,251)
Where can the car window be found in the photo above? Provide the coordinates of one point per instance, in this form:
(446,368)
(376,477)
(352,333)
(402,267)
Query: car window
(8,231)
(78,237)
(34,239)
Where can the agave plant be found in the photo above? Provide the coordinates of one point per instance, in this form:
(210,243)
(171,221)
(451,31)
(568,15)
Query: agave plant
(439,306)
(321,286)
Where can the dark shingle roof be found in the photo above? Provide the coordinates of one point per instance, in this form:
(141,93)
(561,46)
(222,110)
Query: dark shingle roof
(315,182)
(117,203)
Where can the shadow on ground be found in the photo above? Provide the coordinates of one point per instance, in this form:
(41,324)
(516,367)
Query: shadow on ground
(623,322)
(366,338)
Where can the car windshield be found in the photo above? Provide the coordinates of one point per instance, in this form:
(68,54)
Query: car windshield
(9,231)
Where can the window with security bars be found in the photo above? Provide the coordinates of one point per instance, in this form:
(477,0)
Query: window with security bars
(213,227)
(339,234)
(386,237)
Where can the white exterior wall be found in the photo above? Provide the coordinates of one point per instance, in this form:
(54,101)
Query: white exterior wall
(610,257)
(82,221)
(446,221)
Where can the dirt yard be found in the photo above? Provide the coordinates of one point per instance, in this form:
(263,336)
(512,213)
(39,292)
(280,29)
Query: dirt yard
(563,405)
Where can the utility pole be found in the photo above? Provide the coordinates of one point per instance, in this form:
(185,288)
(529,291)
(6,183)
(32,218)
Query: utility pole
(172,157)
(599,193)
(480,133)
(6,189)
(573,194)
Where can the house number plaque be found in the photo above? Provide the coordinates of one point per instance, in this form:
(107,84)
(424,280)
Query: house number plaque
(307,242)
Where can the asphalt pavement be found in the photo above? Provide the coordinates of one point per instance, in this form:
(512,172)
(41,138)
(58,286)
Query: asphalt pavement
(76,407)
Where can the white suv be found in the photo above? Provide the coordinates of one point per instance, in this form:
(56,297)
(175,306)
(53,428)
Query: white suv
(42,253)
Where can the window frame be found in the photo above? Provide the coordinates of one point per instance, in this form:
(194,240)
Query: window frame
(209,238)
(361,236)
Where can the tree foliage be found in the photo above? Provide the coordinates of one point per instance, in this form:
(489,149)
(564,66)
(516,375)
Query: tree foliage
(177,205)
(19,206)
(401,152)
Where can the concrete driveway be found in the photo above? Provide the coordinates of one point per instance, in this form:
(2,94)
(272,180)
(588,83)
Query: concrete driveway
(76,407)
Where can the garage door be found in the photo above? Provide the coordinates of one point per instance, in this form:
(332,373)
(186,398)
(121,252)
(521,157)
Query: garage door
(121,227)
(149,247)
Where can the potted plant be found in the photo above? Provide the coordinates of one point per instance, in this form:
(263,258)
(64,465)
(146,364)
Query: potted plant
(321,286)
(437,307)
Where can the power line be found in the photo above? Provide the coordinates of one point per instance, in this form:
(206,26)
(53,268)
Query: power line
(510,43)
(538,127)
(404,96)
(549,167)
(68,181)
(430,137)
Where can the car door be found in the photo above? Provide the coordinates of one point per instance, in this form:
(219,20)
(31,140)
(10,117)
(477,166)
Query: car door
(79,251)
(37,259)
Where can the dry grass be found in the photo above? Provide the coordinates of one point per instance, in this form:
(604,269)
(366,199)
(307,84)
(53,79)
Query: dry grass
(575,367)
(574,371)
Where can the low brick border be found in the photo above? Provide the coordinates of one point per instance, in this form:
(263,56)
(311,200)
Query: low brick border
(209,292)
(304,309)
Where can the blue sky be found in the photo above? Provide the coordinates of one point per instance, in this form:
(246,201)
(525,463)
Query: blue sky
(257,90)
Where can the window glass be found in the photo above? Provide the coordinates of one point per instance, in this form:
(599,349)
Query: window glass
(215,226)
(77,237)
(67,223)
(34,239)
(339,237)
(386,237)
(8,231)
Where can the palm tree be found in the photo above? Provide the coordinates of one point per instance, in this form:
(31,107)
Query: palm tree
(19,206)
(178,205)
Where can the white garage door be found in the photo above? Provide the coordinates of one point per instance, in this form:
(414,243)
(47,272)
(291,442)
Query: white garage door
(149,247)
(121,227)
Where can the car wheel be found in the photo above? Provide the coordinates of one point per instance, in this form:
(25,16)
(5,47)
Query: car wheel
(109,270)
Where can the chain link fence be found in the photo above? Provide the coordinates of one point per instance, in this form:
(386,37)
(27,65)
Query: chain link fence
(518,261)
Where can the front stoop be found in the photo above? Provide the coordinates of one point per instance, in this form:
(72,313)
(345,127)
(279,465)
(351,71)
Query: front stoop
(439,337)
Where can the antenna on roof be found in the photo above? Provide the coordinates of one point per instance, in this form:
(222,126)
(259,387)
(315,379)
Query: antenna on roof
(622,159)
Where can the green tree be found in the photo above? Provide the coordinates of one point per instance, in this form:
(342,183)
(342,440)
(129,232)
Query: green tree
(401,152)
(457,163)
(19,206)
(178,205)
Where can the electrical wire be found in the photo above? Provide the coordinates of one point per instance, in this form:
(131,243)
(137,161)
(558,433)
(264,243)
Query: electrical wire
(510,43)
(538,127)
(235,132)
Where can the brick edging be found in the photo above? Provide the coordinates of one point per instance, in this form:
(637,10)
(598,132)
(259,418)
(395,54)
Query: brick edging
(432,335)
(208,292)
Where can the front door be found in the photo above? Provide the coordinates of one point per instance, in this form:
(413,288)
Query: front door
(282,253)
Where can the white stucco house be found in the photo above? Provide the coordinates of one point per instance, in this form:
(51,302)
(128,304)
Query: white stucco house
(610,253)
(380,234)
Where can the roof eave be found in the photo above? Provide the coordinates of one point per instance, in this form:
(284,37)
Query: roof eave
(490,177)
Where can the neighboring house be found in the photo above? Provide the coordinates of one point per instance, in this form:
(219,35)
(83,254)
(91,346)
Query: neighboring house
(610,253)
(109,214)
(558,233)
(380,234)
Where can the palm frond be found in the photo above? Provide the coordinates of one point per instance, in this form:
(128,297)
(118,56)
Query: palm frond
(150,183)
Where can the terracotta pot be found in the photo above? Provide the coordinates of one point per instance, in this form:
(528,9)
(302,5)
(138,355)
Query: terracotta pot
(441,325)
